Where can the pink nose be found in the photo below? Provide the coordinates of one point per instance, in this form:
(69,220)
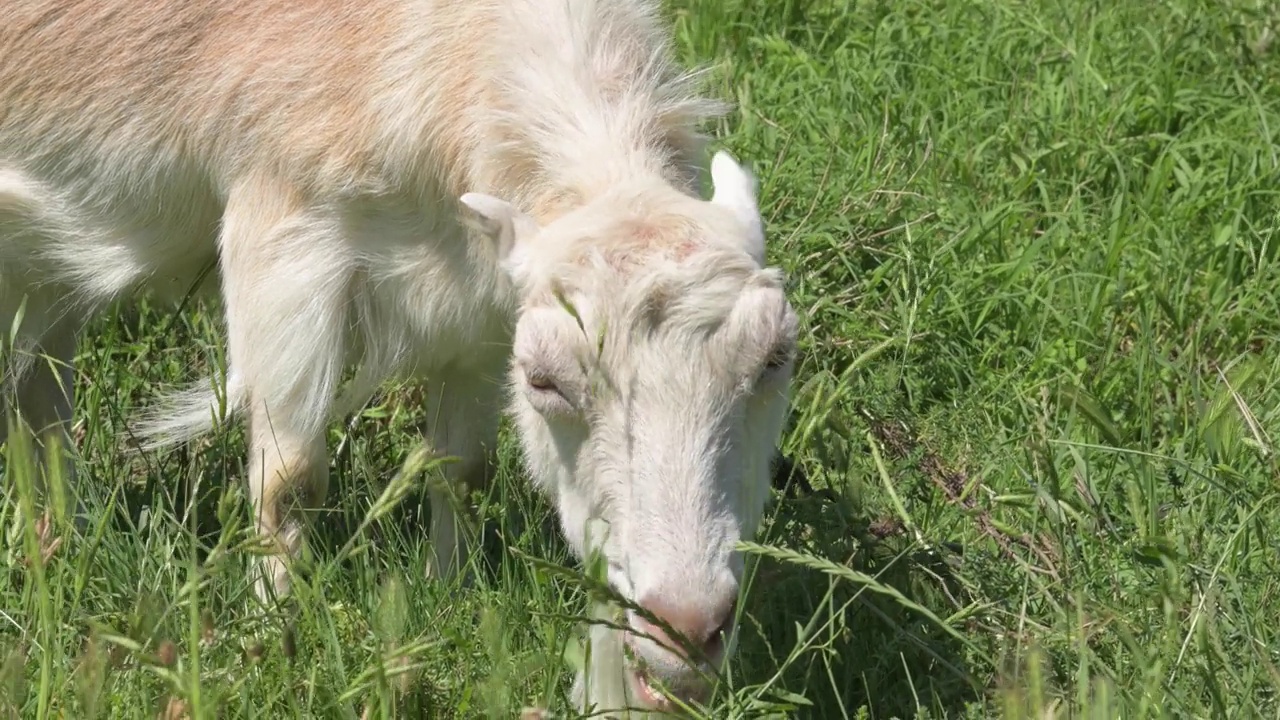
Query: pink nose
(702,625)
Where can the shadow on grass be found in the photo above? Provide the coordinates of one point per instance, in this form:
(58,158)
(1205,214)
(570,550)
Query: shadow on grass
(171,488)
(841,644)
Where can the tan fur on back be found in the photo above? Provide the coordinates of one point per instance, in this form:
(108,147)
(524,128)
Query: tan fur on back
(233,84)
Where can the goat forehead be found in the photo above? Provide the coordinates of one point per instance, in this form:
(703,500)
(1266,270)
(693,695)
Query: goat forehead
(700,285)
(704,310)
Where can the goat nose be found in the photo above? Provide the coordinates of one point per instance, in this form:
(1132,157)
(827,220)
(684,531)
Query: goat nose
(703,625)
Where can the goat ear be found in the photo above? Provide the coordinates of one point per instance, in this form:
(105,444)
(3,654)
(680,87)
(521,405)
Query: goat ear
(500,221)
(735,189)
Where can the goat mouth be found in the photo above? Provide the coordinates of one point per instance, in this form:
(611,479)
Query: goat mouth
(647,692)
(644,691)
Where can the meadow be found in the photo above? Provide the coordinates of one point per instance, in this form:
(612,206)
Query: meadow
(1030,471)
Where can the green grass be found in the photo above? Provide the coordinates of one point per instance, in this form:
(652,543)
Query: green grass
(1034,249)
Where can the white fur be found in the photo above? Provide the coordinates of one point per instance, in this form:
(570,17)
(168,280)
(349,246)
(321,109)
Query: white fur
(415,187)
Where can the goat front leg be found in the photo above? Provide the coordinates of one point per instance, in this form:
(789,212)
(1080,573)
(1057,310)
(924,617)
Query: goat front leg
(463,407)
(288,478)
(600,687)
(286,270)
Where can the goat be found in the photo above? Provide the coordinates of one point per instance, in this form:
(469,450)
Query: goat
(497,198)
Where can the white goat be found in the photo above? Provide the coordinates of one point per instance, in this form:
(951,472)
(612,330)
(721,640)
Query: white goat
(416,187)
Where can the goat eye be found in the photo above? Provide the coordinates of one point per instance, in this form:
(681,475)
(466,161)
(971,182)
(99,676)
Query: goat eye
(542,383)
(778,359)
(547,396)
